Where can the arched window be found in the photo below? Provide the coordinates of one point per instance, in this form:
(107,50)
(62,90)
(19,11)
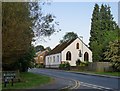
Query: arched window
(86,56)
(68,55)
(77,46)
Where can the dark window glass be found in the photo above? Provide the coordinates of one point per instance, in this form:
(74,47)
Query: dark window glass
(86,56)
(68,55)
(77,46)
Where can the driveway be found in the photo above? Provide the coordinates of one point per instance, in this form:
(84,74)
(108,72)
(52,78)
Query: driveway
(80,81)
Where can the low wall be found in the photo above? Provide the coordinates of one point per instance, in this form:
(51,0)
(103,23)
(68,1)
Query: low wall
(52,66)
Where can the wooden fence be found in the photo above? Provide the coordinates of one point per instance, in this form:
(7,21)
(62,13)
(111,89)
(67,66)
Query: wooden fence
(100,66)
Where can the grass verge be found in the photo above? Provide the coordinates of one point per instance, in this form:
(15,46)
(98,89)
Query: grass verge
(101,73)
(108,73)
(29,80)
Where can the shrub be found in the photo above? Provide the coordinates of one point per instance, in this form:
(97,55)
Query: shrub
(85,63)
(78,62)
(65,66)
(39,66)
(61,66)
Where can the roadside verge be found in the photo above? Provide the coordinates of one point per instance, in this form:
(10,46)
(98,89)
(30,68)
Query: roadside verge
(92,74)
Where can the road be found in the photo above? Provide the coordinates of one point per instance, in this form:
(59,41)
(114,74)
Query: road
(85,81)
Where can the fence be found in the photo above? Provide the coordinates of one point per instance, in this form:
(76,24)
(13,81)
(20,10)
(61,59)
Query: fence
(99,66)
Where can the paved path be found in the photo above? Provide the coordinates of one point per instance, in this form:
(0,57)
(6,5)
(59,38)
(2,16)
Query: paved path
(82,81)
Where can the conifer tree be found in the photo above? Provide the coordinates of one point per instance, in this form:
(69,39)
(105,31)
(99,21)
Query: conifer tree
(103,30)
(94,32)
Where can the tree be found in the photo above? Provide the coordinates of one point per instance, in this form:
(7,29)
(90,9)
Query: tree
(21,22)
(69,36)
(103,30)
(48,48)
(16,32)
(94,32)
(112,54)
(108,28)
(44,25)
(27,60)
(39,48)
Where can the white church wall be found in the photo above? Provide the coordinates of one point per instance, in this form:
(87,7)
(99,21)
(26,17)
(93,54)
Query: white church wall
(75,52)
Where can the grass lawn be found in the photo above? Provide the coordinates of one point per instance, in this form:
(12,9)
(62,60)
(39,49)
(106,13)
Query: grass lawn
(102,73)
(29,80)
(108,73)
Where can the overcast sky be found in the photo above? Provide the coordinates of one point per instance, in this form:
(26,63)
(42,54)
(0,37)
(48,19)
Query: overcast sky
(73,17)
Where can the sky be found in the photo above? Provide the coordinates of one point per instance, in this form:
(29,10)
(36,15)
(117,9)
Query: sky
(73,17)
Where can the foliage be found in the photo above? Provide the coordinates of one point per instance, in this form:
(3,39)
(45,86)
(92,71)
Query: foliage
(16,32)
(44,25)
(112,54)
(39,48)
(48,48)
(103,30)
(18,22)
(85,63)
(26,61)
(69,36)
(40,66)
(65,66)
(78,62)
(61,66)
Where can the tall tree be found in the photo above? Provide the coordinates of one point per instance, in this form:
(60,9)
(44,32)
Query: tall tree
(16,32)
(69,36)
(94,32)
(103,30)
(22,21)
(108,28)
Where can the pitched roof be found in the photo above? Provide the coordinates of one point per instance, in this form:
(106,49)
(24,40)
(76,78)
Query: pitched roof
(61,47)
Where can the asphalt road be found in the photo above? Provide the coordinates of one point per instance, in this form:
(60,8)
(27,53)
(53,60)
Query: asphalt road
(83,81)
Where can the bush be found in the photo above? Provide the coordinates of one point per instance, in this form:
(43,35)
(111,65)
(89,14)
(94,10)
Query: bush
(78,62)
(65,66)
(39,65)
(61,66)
(85,63)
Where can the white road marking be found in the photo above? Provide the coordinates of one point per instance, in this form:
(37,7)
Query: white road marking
(77,85)
(94,86)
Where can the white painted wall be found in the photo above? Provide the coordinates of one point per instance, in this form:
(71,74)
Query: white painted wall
(51,62)
(74,55)
(75,52)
